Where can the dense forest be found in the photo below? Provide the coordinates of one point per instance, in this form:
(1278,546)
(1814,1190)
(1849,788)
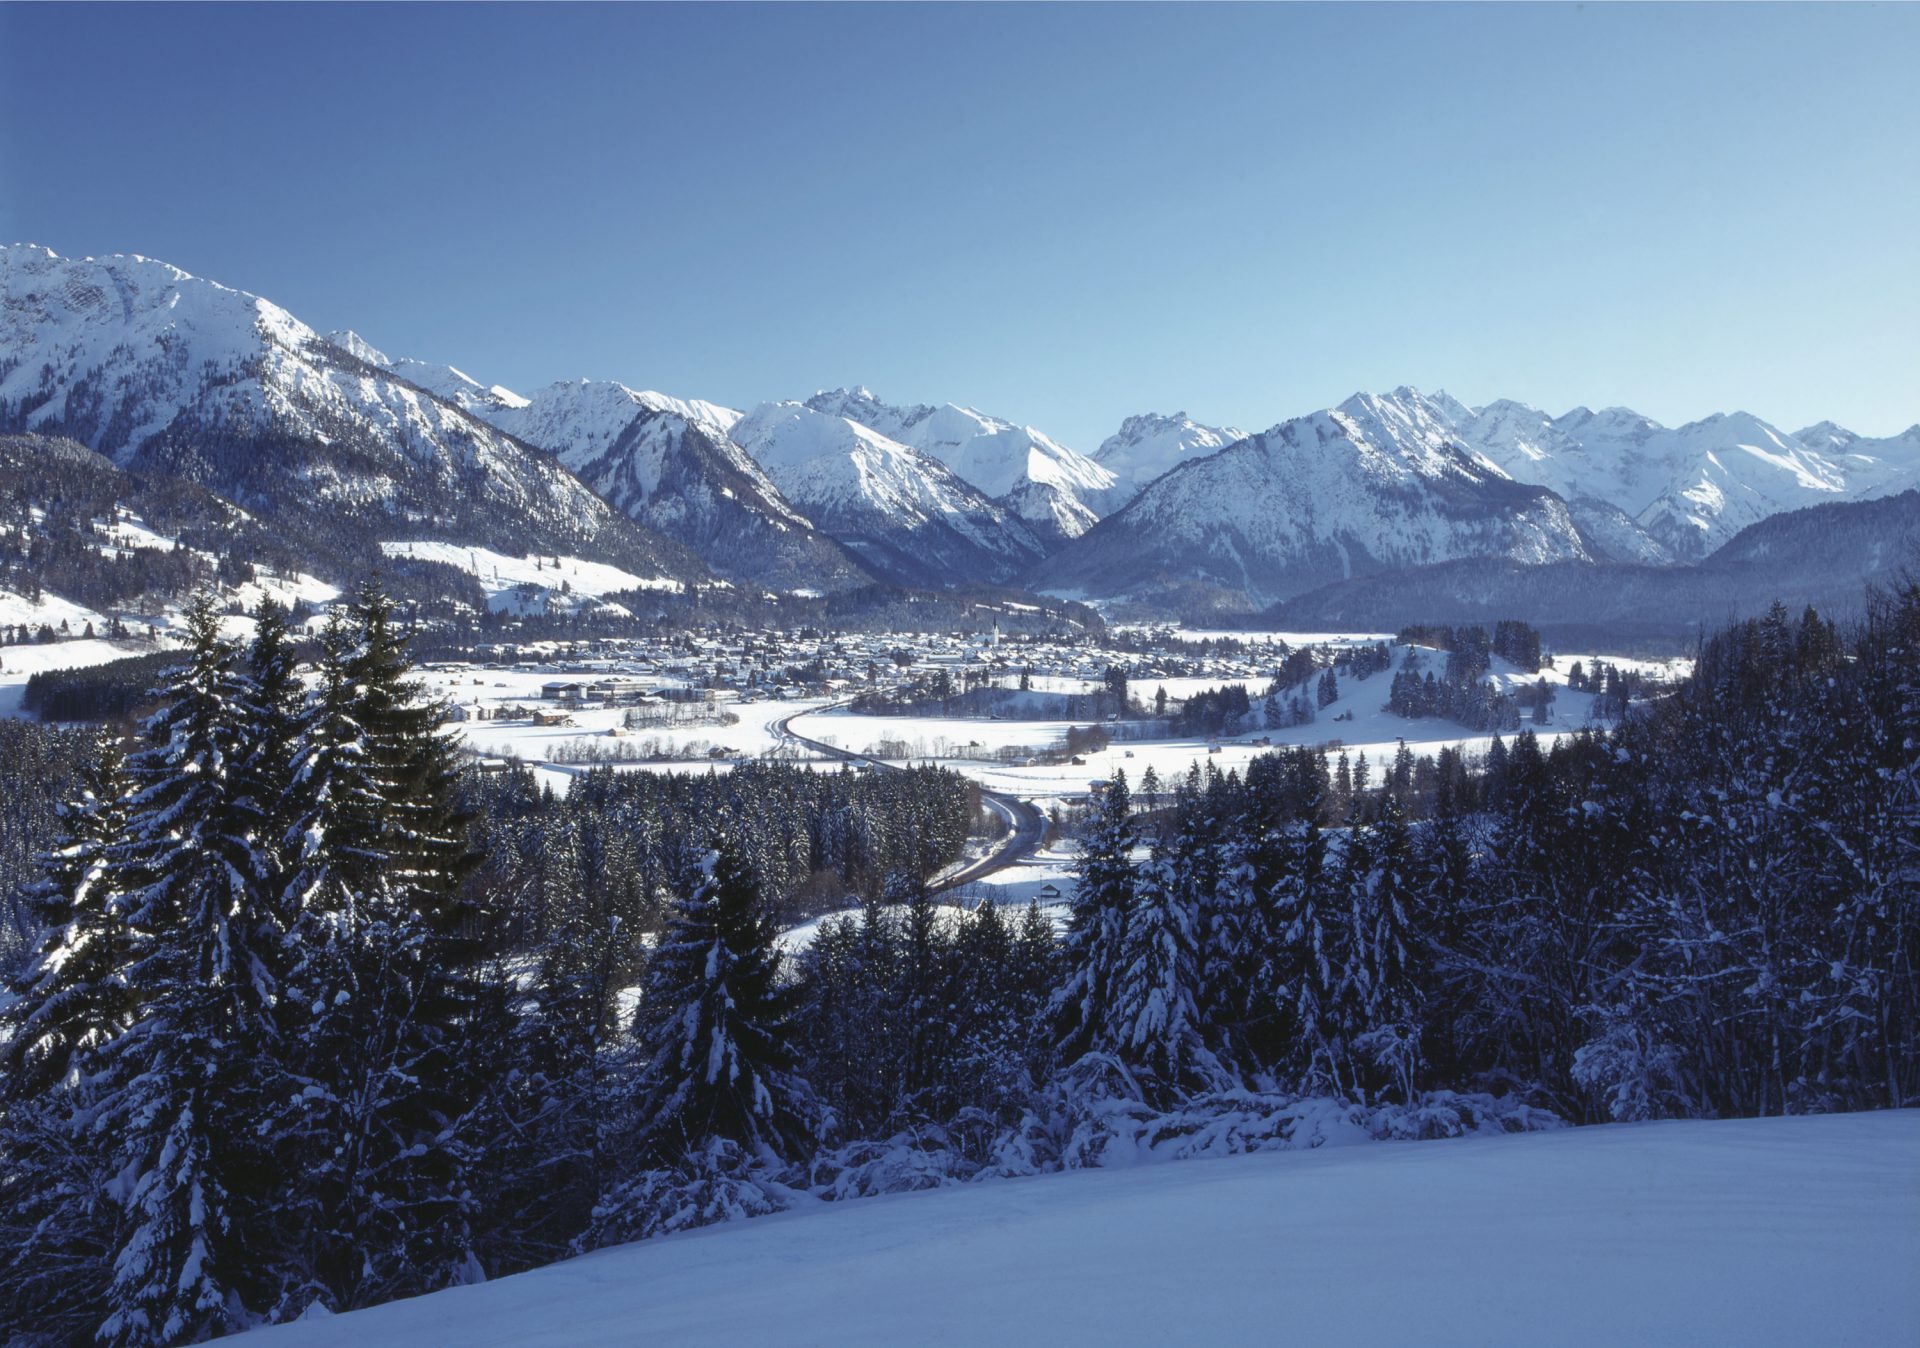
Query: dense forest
(315,1019)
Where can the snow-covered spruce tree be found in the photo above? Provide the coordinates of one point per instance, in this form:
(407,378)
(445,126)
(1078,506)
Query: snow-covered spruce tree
(182,1092)
(380,1002)
(1304,966)
(1873,1032)
(1274,855)
(924,1004)
(721,1116)
(278,701)
(66,1001)
(539,1128)
(1530,959)
(70,997)
(1091,951)
(849,1026)
(1155,1011)
(991,1015)
(1388,966)
(835,1016)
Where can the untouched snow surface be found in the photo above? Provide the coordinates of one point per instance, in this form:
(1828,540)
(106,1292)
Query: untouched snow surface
(500,576)
(1797,1230)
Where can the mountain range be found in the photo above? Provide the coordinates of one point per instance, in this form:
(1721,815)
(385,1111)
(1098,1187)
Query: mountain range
(341,449)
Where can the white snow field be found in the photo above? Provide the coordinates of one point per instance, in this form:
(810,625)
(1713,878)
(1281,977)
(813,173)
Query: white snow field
(966,743)
(502,577)
(1763,1231)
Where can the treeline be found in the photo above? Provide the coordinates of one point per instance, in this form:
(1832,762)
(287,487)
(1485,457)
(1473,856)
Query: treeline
(1213,711)
(105,692)
(1515,642)
(1614,689)
(1460,693)
(1710,911)
(628,842)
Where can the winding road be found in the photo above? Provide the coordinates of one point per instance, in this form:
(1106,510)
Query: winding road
(1026,826)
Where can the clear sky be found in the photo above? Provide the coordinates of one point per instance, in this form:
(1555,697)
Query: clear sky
(1061,214)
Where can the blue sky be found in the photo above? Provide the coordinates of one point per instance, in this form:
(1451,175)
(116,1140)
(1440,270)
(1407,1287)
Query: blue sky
(1062,214)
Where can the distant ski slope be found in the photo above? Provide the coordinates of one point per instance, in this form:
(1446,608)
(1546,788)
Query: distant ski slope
(1797,1230)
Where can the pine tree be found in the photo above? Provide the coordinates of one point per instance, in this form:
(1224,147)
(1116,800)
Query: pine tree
(989,1070)
(184,1086)
(70,996)
(1388,970)
(67,1001)
(383,993)
(1036,971)
(1155,1012)
(1304,968)
(716,1026)
(923,1003)
(1096,931)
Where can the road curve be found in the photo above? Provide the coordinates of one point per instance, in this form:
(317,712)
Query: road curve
(1026,826)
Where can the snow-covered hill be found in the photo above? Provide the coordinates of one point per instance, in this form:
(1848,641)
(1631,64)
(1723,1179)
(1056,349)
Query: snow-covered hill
(1374,484)
(1151,445)
(1783,1230)
(166,372)
(905,514)
(1059,492)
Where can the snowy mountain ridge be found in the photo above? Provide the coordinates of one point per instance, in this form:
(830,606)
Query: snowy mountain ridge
(1151,445)
(1379,482)
(1688,488)
(162,370)
(1058,491)
(166,372)
(905,513)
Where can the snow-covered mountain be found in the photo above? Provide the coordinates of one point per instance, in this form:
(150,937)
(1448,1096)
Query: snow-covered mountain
(672,464)
(1874,466)
(905,514)
(1151,445)
(1376,483)
(331,440)
(443,381)
(166,372)
(1689,488)
(1058,491)
(1823,556)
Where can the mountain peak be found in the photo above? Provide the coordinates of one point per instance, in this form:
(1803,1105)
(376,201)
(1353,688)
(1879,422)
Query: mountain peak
(358,347)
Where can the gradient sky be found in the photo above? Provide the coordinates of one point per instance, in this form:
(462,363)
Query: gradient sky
(1061,214)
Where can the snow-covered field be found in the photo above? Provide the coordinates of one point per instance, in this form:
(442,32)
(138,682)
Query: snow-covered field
(1762,1231)
(752,736)
(1047,875)
(1372,730)
(48,610)
(502,576)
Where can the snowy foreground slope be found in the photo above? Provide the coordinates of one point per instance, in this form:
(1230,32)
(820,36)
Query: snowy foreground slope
(1799,1230)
